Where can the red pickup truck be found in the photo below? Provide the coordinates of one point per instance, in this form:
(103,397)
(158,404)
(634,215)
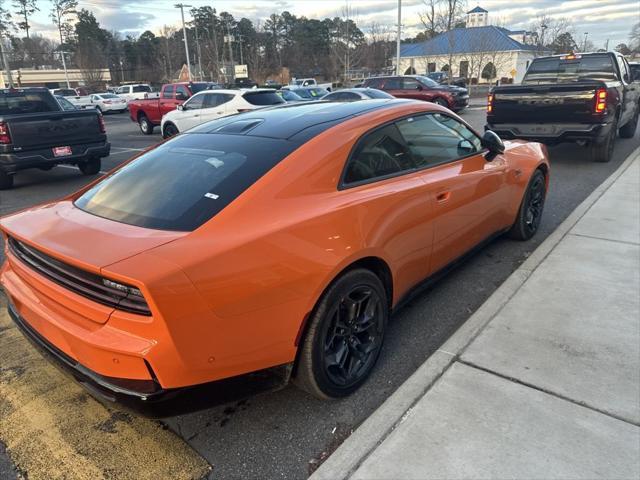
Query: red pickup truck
(148,113)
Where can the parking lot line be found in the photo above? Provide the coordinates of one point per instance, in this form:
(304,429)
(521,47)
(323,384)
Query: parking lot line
(101,172)
(53,429)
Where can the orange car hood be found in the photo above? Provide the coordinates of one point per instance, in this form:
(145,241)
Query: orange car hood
(69,233)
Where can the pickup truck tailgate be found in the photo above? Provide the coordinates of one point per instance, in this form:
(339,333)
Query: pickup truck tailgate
(54,128)
(572,103)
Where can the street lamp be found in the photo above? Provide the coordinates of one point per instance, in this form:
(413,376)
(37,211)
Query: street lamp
(398,39)
(584,46)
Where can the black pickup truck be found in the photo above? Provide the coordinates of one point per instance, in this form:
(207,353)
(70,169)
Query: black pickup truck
(35,132)
(585,98)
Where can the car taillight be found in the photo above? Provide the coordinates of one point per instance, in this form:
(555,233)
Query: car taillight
(103,127)
(490,103)
(601,100)
(5,136)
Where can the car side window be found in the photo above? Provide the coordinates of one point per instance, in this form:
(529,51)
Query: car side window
(435,138)
(380,154)
(410,84)
(350,96)
(168,91)
(181,92)
(374,83)
(195,103)
(393,83)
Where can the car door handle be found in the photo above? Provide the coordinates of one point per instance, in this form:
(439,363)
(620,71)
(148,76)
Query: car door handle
(219,113)
(443,197)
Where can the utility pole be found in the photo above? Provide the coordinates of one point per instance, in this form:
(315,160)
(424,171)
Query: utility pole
(64,66)
(5,62)
(606,45)
(233,71)
(398,39)
(240,41)
(199,53)
(182,6)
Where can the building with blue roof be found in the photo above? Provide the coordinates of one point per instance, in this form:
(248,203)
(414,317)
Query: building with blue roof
(480,52)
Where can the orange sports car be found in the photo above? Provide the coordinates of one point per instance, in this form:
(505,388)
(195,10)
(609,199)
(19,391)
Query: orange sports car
(260,248)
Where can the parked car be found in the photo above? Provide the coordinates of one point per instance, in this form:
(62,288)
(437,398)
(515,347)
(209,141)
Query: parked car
(244,83)
(586,98)
(138,91)
(311,82)
(108,102)
(251,250)
(65,104)
(80,101)
(354,94)
(419,87)
(290,96)
(36,132)
(307,93)
(148,113)
(443,78)
(211,104)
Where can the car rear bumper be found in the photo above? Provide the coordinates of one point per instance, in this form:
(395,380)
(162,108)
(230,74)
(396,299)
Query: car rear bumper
(551,133)
(147,397)
(15,161)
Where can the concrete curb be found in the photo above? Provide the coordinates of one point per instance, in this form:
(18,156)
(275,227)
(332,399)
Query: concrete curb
(372,432)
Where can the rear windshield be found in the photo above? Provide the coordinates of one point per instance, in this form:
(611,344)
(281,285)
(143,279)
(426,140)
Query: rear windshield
(65,92)
(312,92)
(198,87)
(108,95)
(141,88)
(263,98)
(184,182)
(558,70)
(16,102)
(373,93)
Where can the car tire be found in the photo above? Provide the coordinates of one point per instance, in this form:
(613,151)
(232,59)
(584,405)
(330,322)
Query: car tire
(169,130)
(629,129)
(91,166)
(6,181)
(336,357)
(146,126)
(531,207)
(602,151)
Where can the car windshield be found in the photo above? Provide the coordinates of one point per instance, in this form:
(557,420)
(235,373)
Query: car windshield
(16,102)
(311,93)
(184,182)
(290,96)
(567,70)
(427,81)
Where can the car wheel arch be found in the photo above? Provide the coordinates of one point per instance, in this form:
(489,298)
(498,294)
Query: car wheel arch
(373,263)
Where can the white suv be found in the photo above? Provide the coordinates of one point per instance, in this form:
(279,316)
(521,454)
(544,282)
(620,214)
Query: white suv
(212,104)
(138,91)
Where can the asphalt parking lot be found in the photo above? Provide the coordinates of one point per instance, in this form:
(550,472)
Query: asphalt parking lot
(288,433)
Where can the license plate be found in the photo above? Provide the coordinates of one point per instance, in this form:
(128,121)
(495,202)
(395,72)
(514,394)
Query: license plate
(61,151)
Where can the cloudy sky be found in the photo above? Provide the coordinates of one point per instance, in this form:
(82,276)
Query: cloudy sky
(602,19)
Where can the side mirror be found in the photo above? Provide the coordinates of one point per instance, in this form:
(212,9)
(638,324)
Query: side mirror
(180,107)
(419,87)
(626,78)
(492,142)
(181,96)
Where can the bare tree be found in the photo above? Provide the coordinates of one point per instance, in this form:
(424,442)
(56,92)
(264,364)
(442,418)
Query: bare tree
(25,8)
(61,13)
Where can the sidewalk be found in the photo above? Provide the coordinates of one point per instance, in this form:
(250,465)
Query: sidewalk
(543,381)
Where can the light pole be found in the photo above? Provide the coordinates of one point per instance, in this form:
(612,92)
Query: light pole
(64,66)
(584,46)
(7,69)
(398,39)
(181,6)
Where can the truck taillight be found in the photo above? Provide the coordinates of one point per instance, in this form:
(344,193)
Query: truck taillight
(5,136)
(103,127)
(490,103)
(601,100)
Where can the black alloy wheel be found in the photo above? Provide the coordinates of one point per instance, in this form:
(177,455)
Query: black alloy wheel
(530,213)
(344,337)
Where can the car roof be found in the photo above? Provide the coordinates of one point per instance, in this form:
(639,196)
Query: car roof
(293,121)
